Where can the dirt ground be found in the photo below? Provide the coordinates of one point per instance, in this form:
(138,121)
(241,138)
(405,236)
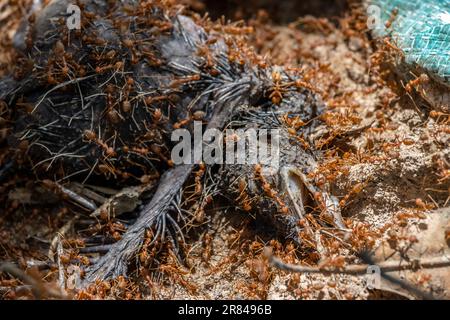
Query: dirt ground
(387,158)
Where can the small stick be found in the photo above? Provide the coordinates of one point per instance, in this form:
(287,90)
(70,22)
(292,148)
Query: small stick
(38,288)
(356,269)
(61,232)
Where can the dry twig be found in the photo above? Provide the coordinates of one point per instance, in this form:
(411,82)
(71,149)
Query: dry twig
(358,269)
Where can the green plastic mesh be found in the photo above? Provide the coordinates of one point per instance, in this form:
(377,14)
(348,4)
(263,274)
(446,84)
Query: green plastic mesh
(421,29)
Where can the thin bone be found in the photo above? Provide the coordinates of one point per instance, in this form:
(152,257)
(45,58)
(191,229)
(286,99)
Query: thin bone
(130,195)
(331,204)
(76,197)
(296,195)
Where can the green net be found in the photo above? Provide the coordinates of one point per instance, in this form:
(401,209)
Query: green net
(421,29)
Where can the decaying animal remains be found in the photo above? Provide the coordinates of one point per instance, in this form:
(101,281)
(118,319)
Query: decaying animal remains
(100,104)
